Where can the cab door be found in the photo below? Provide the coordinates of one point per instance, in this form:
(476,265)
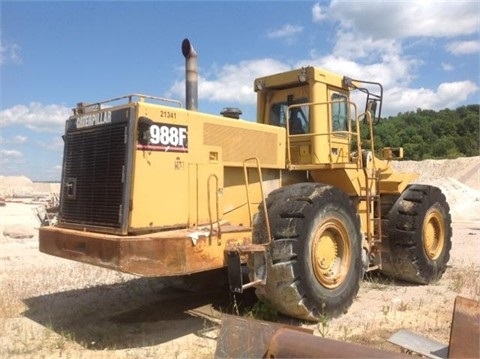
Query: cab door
(340,127)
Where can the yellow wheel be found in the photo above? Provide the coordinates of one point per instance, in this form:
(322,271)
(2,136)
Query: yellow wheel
(418,235)
(331,254)
(314,265)
(433,234)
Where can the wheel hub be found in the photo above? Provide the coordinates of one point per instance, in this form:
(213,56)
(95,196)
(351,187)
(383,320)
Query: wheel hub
(433,234)
(331,254)
(328,252)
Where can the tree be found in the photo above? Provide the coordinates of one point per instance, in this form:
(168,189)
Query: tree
(430,134)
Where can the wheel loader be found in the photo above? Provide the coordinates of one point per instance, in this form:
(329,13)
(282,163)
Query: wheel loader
(297,199)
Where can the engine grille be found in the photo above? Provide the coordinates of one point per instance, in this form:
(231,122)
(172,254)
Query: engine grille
(93,176)
(238,144)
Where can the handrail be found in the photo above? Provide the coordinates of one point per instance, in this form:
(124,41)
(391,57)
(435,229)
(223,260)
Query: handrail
(370,129)
(371,182)
(355,133)
(247,184)
(219,231)
(131,97)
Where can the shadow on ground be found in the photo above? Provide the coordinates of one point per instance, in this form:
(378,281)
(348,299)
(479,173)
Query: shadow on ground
(136,313)
(140,312)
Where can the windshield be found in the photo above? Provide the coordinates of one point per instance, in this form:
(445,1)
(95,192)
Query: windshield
(299,116)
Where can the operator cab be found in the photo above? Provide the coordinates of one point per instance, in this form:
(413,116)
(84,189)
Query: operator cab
(314,107)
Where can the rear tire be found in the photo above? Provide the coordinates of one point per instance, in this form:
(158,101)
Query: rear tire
(419,236)
(314,264)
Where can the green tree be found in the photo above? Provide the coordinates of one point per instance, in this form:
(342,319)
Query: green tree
(430,134)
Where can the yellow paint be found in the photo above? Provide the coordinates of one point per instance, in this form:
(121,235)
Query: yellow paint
(193,176)
(205,184)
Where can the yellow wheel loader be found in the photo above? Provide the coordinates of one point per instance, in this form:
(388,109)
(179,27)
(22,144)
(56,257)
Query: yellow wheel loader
(155,189)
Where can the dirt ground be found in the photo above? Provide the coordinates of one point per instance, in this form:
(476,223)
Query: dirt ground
(55,308)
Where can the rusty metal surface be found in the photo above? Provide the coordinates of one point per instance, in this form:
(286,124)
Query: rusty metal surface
(250,338)
(287,343)
(246,338)
(167,253)
(465,331)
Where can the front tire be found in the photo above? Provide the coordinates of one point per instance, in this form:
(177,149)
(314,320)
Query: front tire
(419,239)
(314,263)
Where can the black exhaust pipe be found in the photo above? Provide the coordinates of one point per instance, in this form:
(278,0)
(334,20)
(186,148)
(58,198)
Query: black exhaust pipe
(191,75)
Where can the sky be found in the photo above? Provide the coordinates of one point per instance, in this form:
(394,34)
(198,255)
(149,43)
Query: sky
(53,55)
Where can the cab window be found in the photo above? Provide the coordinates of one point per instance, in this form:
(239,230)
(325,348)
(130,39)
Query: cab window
(339,112)
(299,116)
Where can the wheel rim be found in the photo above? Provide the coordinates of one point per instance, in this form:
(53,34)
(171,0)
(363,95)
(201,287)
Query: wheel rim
(331,254)
(433,234)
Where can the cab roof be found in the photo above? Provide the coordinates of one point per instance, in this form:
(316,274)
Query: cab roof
(299,76)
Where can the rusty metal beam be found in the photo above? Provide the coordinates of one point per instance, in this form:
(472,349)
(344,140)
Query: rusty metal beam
(465,332)
(169,253)
(245,338)
(249,338)
(287,343)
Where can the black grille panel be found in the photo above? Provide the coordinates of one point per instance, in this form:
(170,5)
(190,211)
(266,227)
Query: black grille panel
(93,176)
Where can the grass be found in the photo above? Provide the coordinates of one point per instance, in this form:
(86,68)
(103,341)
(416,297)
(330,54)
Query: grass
(323,326)
(346,332)
(403,306)
(52,283)
(377,281)
(465,281)
(386,309)
(263,311)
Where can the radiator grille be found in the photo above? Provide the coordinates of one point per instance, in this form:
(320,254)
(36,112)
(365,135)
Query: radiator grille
(94,164)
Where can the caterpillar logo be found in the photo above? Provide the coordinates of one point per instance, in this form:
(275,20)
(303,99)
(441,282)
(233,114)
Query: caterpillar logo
(94,119)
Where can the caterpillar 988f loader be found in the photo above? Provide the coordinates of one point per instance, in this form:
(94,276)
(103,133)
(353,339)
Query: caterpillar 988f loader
(155,189)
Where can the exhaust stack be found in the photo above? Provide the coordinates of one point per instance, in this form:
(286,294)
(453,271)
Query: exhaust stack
(191,75)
